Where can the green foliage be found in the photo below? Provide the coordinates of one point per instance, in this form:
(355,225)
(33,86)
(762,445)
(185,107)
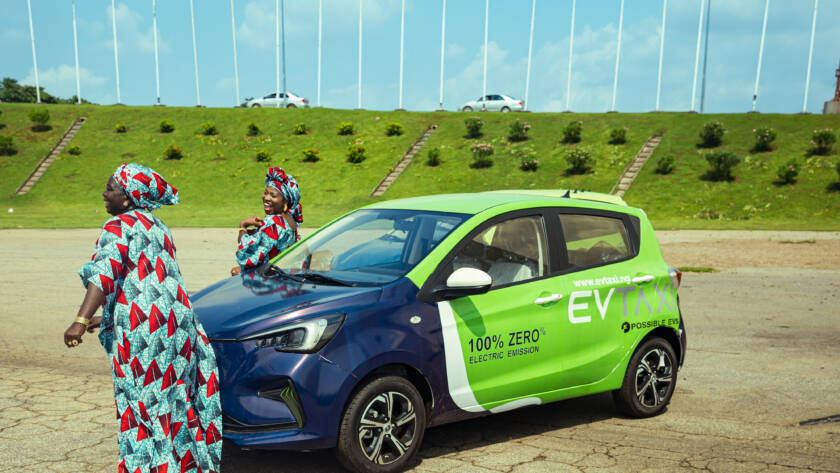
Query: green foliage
(345,128)
(720,165)
(310,155)
(12,92)
(518,131)
(665,165)
(764,137)
(433,157)
(474,125)
(302,129)
(580,161)
(822,141)
(618,136)
(572,133)
(788,172)
(527,158)
(356,153)
(263,156)
(394,129)
(7,145)
(173,152)
(120,128)
(166,126)
(711,135)
(74,151)
(40,117)
(209,129)
(253,129)
(482,153)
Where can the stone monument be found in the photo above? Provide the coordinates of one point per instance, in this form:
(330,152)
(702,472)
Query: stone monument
(832,107)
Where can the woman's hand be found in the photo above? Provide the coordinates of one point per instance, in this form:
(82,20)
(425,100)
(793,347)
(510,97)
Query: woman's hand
(251,222)
(235,270)
(94,324)
(73,334)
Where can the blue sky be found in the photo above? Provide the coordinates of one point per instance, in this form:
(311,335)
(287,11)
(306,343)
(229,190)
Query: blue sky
(733,52)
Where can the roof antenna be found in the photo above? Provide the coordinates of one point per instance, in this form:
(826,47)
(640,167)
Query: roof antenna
(567,195)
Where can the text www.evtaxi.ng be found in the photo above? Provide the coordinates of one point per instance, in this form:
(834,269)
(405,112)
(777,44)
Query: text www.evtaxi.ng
(602,281)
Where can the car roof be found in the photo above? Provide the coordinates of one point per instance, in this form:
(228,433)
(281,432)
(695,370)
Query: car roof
(474,203)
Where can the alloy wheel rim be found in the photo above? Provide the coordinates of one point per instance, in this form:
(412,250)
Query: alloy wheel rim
(654,376)
(387,428)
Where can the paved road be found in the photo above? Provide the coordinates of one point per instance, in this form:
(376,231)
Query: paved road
(764,345)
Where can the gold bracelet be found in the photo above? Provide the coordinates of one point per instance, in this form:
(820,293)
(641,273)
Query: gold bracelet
(243,229)
(82,320)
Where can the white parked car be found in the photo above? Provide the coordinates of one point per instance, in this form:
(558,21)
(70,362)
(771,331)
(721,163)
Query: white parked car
(271,100)
(494,103)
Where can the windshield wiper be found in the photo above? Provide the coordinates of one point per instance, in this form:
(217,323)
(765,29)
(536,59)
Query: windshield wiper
(323,279)
(273,270)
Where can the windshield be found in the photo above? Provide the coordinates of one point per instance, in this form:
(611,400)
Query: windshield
(370,247)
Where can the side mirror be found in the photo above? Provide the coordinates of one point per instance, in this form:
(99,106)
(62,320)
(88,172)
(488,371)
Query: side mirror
(464,282)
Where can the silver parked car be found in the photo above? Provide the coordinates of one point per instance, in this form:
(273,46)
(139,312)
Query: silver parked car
(494,103)
(271,100)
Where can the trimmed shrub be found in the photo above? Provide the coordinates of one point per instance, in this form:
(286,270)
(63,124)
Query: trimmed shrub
(837,168)
(120,128)
(209,129)
(573,132)
(433,157)
(580,161)
(356,154)
(394,129)
(665,165)
(518,131)
(712,135)
(173,152)
(40,118)
(7,145)
(302,129)
(482,153)
(166,126)
(345,128)
(822,141)
(618,136)
(74,151)
(253,129)
(310,155)
(474,125)
(263,156)
(787,172)
(720,165)
(764,136)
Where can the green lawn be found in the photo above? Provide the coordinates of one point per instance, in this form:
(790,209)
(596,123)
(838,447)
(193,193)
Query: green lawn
(221,182)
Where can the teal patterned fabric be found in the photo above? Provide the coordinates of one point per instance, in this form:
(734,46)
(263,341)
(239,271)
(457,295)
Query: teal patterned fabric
(145,187)
(267,242)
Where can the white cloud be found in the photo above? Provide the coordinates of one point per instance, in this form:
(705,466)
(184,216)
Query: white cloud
(132,35)
(61,80)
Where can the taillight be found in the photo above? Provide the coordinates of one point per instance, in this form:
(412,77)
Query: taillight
(676,277)
(304,100)
(520,102)
(679,278)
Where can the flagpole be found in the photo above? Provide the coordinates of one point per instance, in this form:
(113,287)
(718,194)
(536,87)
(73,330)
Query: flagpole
(283,50)
(442,50)
(810,56)
(402,53)
(154,34)
(116,52)
(705,59)
(661,49)
(697,54)
(760,53)
(277,53)
(571,48)
(195,55)
(359,98)
(484,81)
(617,54)
(235,65)
(76,54)
(320,11)
(530,49)
(34,58)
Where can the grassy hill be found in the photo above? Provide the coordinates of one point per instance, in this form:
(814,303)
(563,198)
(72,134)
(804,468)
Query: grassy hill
(221,181)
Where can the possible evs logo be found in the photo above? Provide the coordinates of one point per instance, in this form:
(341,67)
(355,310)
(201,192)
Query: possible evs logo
(625,327)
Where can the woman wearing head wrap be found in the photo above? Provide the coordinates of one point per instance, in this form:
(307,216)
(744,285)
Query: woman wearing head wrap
(165,377)
(278,230)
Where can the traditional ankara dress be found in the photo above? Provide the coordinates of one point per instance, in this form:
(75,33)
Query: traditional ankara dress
(274,235)
(166,381)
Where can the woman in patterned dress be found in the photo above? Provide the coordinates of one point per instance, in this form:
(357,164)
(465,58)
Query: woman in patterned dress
(166,381)
(278,230)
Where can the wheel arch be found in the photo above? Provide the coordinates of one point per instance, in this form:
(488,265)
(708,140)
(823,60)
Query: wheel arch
(670,335)
(403,370)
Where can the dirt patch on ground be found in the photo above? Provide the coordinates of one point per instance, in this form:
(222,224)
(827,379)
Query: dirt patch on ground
(727,254)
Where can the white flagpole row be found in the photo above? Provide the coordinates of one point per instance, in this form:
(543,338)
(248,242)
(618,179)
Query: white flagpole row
(617,54)
(442,50)
(530,48)
(320,11)
(571,48)
(810,56)
(359,98)
(154,34)
(402,52)
(277,53)
(283,50)
(697,53)
(235,65)
(76,54)
(195,55)
(484,80)
(34,58)
(116,53)
(661,49)
(760,53)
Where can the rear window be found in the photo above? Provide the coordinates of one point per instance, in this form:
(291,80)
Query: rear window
(594,240)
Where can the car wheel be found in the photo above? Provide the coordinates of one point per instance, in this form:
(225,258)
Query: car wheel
(382,427)
(505,109)
(291,105)
(649,381)
(467,109)
(256,105)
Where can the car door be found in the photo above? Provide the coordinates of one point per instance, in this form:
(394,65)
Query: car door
(501,347)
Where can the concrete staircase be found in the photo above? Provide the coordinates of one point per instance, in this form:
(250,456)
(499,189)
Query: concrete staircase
(45,163)
(635,166)
(403,163)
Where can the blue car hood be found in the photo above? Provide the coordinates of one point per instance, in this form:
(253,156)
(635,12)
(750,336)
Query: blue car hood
(250,303)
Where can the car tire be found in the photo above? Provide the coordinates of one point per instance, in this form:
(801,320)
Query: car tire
(467,109)
(256,105)
(379,445)
(291,105)
(505,109)
(649,381)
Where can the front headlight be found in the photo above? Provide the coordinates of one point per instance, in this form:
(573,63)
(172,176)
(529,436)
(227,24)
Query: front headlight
(306,336)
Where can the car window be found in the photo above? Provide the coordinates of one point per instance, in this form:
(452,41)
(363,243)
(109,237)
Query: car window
(497,97)
(480,99)
(511,251)
(269,96)
(592,240)
(488,98)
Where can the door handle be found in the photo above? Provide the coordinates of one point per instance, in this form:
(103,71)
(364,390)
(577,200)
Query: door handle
(642,279)
(547,299)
